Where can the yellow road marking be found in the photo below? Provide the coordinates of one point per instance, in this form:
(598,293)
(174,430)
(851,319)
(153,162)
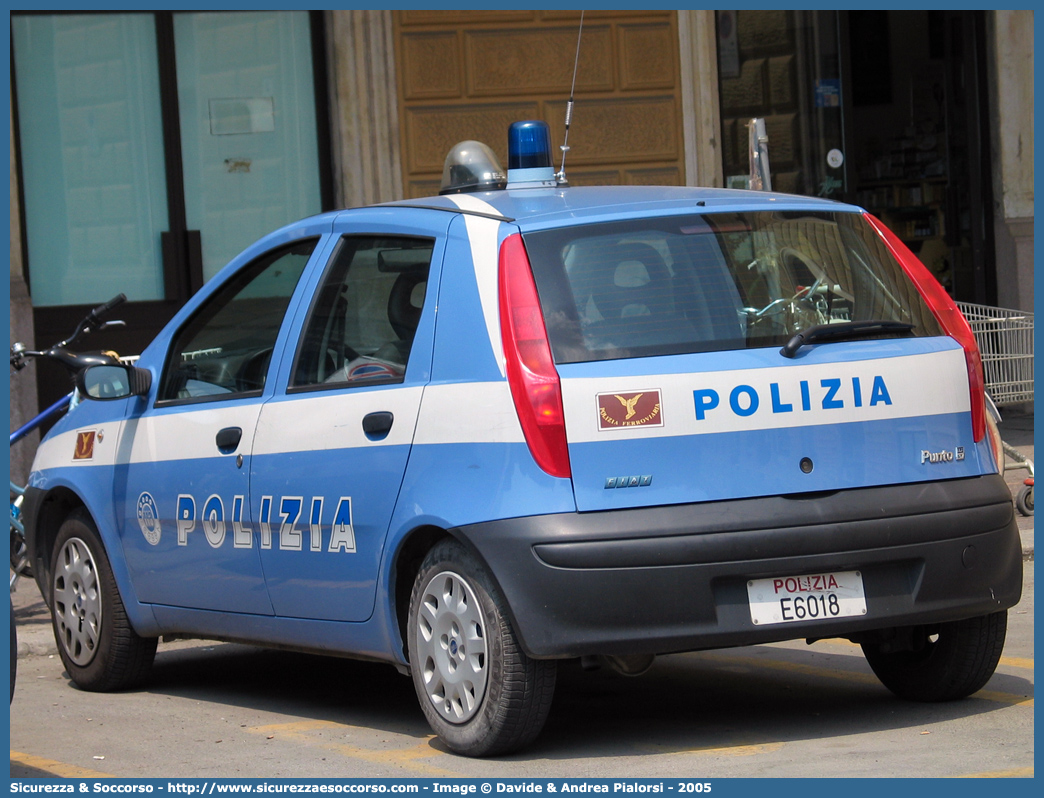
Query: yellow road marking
(1011,662)
(1015,773)
(852,676)
(58,769)
(1017,662)
(1004,698)
(729,750)
(408,758)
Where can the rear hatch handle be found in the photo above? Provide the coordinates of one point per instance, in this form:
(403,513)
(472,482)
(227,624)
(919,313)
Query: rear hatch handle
(843,331)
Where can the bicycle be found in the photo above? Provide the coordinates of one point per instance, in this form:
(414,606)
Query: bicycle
(73,361)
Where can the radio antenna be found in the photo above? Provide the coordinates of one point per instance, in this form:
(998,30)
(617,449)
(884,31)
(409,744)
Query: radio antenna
(561,176)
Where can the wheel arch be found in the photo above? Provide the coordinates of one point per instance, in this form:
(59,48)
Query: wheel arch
(408,557)
(406,565)
(57,505)
(53,507)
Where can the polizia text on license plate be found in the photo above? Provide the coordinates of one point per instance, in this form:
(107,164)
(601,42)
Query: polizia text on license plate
(810,597)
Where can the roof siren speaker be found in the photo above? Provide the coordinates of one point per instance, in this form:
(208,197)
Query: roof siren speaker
(471,166)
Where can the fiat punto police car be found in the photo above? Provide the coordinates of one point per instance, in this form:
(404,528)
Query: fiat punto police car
(476,434)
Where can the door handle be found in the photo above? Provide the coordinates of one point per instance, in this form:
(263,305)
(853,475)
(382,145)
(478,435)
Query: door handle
(377,424)
(228,439)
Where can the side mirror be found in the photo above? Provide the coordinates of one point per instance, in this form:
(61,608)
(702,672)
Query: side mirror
(107,382)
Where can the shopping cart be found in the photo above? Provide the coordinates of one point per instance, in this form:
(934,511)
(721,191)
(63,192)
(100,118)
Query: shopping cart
(1005,340)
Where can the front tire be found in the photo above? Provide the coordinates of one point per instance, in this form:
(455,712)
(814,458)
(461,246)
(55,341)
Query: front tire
(100,650)
(948,661)
(479,691)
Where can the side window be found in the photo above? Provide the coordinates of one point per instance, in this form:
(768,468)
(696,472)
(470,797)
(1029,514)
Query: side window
(361,326)
(224,350)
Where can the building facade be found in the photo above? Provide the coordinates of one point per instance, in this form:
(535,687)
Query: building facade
(148,148)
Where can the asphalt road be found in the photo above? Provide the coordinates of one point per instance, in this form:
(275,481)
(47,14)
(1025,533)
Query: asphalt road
(220,710)
(786,710)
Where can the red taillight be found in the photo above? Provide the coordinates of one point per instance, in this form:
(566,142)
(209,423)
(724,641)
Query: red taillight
(531,373)
(953,322)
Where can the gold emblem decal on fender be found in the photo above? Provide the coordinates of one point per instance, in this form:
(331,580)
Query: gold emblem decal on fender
(84,445)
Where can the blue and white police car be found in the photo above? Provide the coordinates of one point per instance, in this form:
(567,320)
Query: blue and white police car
(475,434)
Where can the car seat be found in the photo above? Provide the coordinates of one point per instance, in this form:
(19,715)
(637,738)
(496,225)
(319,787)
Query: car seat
(405,303)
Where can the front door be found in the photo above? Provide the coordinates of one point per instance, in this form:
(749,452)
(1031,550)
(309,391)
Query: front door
(183,480)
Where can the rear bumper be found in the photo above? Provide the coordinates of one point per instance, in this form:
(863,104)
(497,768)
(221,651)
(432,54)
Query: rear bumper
(662,579)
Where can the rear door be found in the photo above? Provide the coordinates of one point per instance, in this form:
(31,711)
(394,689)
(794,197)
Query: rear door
(331,447)
(667,336)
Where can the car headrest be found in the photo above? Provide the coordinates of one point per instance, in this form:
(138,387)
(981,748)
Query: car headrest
(636,281)
(406,301)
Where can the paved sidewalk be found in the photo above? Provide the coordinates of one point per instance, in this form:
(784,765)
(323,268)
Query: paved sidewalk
(34,625)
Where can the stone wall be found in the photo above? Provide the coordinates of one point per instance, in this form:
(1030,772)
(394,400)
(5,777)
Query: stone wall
(1010,38)
(23,385)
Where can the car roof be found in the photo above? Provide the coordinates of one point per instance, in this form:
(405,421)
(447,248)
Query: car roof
(537,208)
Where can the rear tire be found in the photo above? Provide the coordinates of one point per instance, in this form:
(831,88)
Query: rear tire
(479,691)
(100,650)
(1024,501)
(952,660)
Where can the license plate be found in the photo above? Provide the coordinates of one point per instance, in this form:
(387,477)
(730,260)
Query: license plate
(811,597)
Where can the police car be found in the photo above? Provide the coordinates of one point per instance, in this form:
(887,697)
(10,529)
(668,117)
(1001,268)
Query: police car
(520,422)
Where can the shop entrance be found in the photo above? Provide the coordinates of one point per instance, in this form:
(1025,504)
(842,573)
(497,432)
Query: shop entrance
(885,109)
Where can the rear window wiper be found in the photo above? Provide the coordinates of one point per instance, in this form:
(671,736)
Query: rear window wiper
(843,331)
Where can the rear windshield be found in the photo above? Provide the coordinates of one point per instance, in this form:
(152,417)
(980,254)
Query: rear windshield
(714,282)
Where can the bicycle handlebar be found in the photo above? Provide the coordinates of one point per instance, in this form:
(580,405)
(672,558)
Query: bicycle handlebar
(71,360)
(101,310)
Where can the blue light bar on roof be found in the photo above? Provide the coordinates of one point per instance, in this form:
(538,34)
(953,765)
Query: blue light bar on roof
(529,155)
